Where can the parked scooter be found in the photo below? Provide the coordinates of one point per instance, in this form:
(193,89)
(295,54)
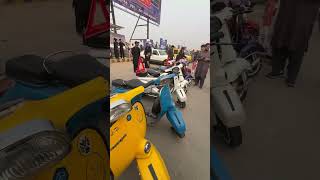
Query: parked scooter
(163,104)
(127,138)
(228,112)
(63,136)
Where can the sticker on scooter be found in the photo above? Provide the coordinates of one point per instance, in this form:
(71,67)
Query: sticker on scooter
(84,145)
(61,174)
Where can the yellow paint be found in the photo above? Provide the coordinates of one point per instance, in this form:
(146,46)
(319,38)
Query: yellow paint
(127,141)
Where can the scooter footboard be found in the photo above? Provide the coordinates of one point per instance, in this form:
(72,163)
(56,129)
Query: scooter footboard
(177,121)
(227,106)
(152,166)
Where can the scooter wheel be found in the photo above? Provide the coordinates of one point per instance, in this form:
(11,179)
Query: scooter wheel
(182,104)
(180,135)
(233,136)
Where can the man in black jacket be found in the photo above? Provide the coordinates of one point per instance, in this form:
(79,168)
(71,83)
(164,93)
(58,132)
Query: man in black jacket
(121,44)
(116,48)
(135,51)
(147,55)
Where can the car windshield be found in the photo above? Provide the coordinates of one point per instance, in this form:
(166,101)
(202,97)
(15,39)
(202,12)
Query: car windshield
(162,52)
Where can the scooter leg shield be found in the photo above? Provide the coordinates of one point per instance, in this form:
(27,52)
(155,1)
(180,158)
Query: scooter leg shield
(177,121)
(151,165)
(228,106)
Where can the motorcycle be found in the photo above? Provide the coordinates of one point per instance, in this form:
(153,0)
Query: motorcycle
(127,138)
(163,104)
(63,136)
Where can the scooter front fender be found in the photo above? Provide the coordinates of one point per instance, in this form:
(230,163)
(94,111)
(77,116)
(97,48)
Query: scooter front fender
(151,165)
(227,106)
(181,94)
(177,121)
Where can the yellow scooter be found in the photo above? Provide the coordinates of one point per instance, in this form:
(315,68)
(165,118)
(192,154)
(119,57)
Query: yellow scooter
(49,139)
(127,138)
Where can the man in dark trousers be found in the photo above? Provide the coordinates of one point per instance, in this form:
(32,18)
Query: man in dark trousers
(121,44)
(81,10)
(170,53)
(292,31)
(135,51)
(116,48)
(147,55)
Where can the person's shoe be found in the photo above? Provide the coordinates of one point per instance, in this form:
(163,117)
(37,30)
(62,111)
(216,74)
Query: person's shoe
(275,75)
(290,84)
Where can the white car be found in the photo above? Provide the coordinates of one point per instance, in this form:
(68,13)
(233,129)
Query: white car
(158,56)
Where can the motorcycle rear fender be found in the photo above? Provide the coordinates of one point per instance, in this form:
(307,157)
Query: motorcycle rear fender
(151,165)
(227,106)
(176,120)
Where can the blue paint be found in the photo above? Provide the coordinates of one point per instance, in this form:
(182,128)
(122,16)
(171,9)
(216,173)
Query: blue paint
(218,167)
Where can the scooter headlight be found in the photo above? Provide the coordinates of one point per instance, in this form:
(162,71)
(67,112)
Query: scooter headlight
(147,147)
(118,109)
(32,152)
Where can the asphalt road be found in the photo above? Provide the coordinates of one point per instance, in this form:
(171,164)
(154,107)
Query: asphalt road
(187,158)
(281,135)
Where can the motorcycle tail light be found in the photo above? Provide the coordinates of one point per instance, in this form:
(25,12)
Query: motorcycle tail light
(32,153)
(119,109)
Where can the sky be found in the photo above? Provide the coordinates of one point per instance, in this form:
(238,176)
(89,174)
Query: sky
(183,22)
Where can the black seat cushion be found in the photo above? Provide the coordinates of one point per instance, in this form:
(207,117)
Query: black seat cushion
(78,69)
(153,72)
(119,82)
(27,68)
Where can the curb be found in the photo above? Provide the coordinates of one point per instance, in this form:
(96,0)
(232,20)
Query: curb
(120,61)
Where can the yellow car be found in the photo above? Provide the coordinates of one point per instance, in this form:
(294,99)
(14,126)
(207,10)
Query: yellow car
(127,138)
(187,54)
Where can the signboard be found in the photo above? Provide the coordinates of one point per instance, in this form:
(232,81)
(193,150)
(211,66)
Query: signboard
(147,8)
(163,43)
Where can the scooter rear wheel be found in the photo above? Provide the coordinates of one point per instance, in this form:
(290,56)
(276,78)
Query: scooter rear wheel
(233,136)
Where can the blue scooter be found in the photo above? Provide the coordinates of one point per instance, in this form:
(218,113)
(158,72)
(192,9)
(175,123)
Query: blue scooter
(163,104)
(217,169)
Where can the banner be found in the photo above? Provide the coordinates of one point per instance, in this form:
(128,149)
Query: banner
(147,8)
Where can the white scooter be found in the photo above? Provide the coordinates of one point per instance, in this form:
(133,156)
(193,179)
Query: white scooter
(176,83)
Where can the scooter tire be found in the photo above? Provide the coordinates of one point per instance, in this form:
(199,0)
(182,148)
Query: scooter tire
(233,137)
(156,107)
(179,135)
(182,104)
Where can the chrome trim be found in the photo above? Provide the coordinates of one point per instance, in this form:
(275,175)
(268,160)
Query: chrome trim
(117,103)
(23,131)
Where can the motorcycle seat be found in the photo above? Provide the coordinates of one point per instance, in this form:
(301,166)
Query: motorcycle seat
(27,68)
(5,85)
(133,83)
(153,72)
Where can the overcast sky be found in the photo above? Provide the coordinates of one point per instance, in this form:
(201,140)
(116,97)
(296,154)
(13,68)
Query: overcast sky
(183,22)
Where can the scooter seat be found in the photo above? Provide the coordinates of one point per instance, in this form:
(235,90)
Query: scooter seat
(27,68)
(153,72)
(131,84)
(77,69)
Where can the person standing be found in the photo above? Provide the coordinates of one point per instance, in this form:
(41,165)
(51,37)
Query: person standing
(181,54)
(121,44)
(292,31)
(203,65)
(116,48)
(147,55)
(135,51)
(170,53)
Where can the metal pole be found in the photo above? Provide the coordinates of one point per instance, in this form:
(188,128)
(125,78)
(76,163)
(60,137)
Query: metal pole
(135,27)
(113,17)
(148,28)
